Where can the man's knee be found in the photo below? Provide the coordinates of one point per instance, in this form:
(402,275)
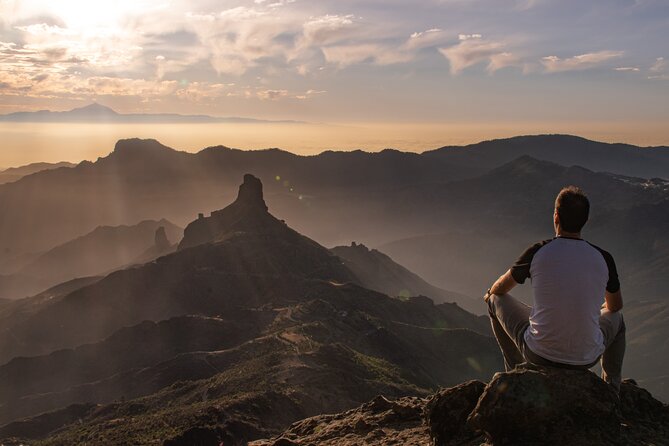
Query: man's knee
(612,324)
(614,318)
(495,300)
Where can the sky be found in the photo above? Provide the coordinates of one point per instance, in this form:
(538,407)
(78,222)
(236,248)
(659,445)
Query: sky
(511,63)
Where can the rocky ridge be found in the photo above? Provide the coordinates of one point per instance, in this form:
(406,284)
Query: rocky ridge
(529,406)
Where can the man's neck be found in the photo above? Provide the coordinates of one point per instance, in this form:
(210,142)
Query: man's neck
(565,234)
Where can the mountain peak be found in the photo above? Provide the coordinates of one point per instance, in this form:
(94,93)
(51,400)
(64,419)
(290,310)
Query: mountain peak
(250,192)
(94,108)
(134,145)
(160,239)
(247,214)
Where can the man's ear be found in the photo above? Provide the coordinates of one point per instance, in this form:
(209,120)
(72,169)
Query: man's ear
(556,218)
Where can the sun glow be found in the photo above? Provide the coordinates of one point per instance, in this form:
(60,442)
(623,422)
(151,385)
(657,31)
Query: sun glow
(82,15)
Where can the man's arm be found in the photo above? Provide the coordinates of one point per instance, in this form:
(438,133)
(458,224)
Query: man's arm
(613,301)
(503,285)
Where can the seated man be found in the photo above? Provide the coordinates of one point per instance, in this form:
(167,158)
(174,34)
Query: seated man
(571,278)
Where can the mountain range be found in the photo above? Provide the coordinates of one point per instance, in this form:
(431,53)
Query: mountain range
(245,313)
(99,113)
(425,210)
(249,323)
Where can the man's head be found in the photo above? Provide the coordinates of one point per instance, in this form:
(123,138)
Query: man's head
(571,209)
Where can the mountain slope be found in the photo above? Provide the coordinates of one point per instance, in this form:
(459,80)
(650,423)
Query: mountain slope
(379,272)
(16,173)
(104,249)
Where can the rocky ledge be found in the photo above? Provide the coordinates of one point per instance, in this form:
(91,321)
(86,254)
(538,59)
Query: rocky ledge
(527,406)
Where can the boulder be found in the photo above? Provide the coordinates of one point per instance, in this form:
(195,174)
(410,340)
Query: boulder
(548,406)
(447,411)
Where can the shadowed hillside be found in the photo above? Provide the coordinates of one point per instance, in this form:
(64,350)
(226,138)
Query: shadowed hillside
(379,272)
(16,173)
(101,251)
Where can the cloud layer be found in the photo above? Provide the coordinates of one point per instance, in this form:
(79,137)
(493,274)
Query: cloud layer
(296,51)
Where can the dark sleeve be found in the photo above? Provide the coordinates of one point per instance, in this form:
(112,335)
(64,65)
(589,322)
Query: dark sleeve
(613,285)
(521,269)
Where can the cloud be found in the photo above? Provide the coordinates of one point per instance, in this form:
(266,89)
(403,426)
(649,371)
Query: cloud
(659,69)
(383,53)
(660,65)
(310,93)
(236,39)
(626,69)
(553,64)
(328,29)
(272,95)
(424,39)
(474,49)
(346,55)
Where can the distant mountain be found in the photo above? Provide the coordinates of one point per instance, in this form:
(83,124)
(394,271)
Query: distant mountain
(161,246)
(142,179)
(481,225)
(99,113)
(379,272)
(101,251)
(624,159)
(248,324)
(16,173)
(335,197)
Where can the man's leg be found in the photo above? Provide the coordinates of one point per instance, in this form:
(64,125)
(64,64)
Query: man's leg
(509,318)
(613,328)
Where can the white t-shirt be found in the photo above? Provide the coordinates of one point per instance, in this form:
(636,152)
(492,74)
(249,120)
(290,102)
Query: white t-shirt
(569,278)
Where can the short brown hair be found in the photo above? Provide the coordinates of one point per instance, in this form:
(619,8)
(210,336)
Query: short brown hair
(573,208)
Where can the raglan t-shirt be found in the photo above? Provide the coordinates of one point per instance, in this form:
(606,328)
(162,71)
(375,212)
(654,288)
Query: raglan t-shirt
(569,279)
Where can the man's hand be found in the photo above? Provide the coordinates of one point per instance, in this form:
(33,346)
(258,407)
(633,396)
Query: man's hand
(503,285)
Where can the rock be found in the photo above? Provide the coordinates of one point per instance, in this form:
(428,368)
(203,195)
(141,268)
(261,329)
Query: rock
(447,411)
(529,406)
(645,419)
(639,405)
(378,422)
(247,213)
(250,192)
(534,405)
(160,239)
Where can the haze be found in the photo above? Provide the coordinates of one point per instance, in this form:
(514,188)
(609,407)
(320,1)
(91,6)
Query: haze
(25,143)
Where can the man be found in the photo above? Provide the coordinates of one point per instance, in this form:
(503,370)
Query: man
(571,278)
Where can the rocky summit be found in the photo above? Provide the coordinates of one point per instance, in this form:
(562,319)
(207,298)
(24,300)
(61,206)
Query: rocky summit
(248,212)
(529,406)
